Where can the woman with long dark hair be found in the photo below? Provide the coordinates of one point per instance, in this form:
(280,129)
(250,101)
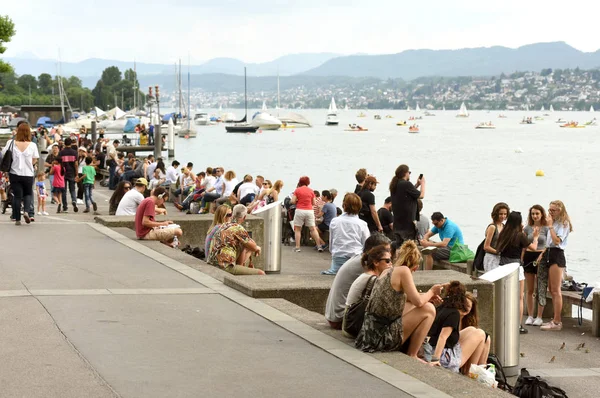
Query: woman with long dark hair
(553,258)
(499,215)
(536,219)
(115,199)
(512,243)
(454,348)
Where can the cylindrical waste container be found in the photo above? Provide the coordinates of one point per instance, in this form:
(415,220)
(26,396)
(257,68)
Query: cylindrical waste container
(271,214)
(506,315)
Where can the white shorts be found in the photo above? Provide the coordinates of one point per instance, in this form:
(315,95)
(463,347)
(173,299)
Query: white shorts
(304,217)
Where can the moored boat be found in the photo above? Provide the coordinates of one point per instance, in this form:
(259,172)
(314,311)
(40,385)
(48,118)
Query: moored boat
(572,125)
(332,117)
(463,112)
(242,126)
(485,126)
(401,123)
(201,119)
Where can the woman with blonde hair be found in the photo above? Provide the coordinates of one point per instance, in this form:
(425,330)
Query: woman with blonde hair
(222,215)
(267,196)
(25,156)
(389,319)
(553,258)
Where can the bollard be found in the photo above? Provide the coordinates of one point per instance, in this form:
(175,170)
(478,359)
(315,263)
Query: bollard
(271,214)
(94,132)
(171,139)
(506,315)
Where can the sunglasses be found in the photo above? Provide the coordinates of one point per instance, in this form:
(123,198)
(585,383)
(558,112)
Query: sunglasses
(265,183)
(127,187)
(228,215)
(387,260)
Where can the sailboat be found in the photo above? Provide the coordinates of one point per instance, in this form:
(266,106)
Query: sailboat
(346,107)
(591,108)
(242,126)
(417,109)
(264,107)
(264,121)
(407,108)
(543,109)
(332,117)
(188,132)
(463,112)
(551,108)
(443,108)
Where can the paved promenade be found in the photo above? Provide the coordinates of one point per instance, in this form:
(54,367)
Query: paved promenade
(87,312)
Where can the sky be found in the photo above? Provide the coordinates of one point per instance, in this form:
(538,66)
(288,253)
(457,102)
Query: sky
(262,30)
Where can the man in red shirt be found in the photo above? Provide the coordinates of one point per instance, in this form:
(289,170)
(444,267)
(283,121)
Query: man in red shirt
(147,228)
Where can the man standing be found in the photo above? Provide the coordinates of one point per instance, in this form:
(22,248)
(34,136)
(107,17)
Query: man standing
(449,235)
(360,176)
(368,213)
(147,228)
(404,202)
(387,218)
(111,159)
(69,163)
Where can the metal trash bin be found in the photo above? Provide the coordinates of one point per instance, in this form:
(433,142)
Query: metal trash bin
(271,214)
(506,312)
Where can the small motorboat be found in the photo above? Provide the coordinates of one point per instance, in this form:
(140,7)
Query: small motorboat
(502,116)
(389,117)
(415,118)
(362,114)
(485,126)
(355,127)
(427,113)
(591,122)
(527,120)
(538,118)
(572,125)
(560,120)
(401,123)
(377,117)
(201,119)
(413,129)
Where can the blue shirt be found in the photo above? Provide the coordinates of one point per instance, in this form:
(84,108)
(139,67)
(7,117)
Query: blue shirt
(562,231)
(449,230)
(329,212)
(219,185)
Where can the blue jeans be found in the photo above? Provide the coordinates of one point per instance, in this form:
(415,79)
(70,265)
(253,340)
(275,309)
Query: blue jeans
(209,197)
(69,183)
(112,178)
(336,263)
(87,191)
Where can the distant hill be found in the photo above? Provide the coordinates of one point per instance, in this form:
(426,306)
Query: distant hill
(412,64)
(91,69)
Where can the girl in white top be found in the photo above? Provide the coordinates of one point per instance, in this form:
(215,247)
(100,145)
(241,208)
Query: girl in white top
(25,156)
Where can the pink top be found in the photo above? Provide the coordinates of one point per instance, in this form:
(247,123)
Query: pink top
(305,196)
(59,178)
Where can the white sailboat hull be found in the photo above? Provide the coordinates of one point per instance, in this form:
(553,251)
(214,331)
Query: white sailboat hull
(332,120)
(264,121)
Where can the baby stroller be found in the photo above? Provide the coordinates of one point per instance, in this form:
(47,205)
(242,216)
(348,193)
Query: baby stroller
(9,196)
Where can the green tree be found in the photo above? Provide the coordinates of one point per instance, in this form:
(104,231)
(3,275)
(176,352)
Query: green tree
(7,31)
(74,81)
(111,75)
(27,82)
(45,83)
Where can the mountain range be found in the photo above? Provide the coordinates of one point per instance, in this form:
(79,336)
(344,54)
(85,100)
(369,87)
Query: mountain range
(407,65)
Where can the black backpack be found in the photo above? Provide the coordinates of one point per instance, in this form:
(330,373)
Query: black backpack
(528,386)
(500,375)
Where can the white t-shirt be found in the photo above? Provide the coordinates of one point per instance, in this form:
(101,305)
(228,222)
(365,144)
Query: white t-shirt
(129,203)
(358,286)
(229,185)
(172,175)
(22,162)
(209,182)
(246,188)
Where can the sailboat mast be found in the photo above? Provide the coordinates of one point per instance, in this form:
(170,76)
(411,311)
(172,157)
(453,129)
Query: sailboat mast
(245,96)
(189,98)
(277,88)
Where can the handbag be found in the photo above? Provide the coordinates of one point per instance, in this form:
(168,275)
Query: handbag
(460,253)
(355,313)
(6,163)
(479,255)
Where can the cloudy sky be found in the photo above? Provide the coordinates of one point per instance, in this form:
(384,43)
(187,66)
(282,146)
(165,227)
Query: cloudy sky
(262,30)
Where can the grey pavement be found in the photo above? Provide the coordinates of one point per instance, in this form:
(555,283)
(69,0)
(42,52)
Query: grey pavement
(86,315)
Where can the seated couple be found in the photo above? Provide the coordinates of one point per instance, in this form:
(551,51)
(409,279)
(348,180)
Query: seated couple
(147,228)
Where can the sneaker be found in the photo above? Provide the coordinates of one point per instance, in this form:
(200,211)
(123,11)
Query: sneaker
(552,326)
(26,217)
(529,321)
(31,219)
(53,202)
(58,210)
(75,209)
(297,250)
(175,243)
(522,330)
(79,201)
(87,210)
(45,213)
(17,222)
(39,213)
(320,249)
(178,206)
(94,206)
(538,322)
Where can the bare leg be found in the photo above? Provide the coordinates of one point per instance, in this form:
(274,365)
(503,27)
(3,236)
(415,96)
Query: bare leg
(428,262)
(297,233)
(555,275)
(243,258)
(486,352)
(521,291)
(314,233)
(416,323)
(472,344)
(530,280)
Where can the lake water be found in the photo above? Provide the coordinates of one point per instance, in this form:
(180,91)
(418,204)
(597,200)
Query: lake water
(467,170)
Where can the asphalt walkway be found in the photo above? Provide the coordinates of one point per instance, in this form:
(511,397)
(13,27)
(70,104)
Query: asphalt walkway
(87,312)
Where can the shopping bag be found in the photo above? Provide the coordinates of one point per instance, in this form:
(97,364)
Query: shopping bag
(461,253)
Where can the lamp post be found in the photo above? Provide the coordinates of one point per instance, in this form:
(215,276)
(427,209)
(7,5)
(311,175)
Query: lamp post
(157,134)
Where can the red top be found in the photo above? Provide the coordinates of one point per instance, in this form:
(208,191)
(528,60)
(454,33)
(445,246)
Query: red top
(305,196)
(146,208)
(59,178)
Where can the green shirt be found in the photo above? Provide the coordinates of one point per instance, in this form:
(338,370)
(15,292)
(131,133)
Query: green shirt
(90,175)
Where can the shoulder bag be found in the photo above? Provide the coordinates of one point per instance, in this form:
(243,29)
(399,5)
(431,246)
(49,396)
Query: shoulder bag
(355,313)
(8,158)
